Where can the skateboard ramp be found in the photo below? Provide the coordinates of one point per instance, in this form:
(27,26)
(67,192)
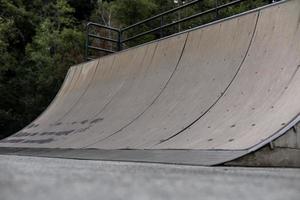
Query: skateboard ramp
(206,96)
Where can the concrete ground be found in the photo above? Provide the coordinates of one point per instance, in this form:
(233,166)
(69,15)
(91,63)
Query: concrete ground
(29,178)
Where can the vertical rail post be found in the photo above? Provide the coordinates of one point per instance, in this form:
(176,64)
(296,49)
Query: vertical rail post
(161,20)
(180,3)
(217,10)
(120,43)
(161,24)
(86,42)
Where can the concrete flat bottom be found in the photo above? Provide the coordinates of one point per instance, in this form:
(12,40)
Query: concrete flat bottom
(50,178)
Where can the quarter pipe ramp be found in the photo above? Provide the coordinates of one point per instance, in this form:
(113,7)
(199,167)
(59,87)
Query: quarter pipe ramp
(206,96)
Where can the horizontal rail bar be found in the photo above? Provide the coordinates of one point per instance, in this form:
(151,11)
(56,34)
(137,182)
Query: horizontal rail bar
(101,49)
(102,38)
(142,34)
(212,10)
(102,26)
(161,14)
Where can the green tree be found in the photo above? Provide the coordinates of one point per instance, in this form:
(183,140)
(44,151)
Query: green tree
(57,45)
(39,41)
(17,25)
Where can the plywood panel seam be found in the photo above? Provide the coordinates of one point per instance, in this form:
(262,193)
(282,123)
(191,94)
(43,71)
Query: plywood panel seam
(157,97)
(246,54)
(84,92)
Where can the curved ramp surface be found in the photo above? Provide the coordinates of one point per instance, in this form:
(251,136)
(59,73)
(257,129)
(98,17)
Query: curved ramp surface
(206,96)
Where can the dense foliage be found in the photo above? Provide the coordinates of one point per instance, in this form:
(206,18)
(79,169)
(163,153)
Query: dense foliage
(41,39)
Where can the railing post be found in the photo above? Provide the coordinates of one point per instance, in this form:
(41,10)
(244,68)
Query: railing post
(161,24)
(120,33)
(87,41)
(217,10)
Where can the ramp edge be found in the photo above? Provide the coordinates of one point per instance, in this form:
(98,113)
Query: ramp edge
(283,151)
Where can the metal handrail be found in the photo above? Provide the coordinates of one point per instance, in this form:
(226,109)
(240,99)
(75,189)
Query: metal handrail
(89,35)
(101,49)
(212,10)
(103,38)
(120,32)
(102,26)
(161,14)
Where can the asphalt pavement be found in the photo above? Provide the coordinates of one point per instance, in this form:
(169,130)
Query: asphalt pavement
(30,178)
